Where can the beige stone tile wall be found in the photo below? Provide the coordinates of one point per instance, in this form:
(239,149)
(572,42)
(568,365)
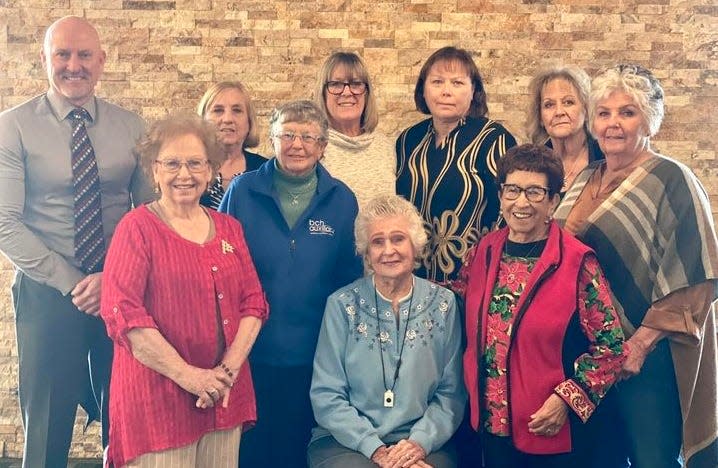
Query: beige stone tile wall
(162,55)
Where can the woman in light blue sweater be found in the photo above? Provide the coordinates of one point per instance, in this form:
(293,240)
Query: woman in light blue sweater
(387,388)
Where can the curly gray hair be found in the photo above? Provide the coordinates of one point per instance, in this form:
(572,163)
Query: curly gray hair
(636,81)
(388,206)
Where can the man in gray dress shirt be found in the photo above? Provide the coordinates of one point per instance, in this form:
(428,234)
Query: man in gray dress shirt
(64,352)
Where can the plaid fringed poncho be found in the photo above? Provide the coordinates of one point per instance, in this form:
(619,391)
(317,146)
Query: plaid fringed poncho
(655,235)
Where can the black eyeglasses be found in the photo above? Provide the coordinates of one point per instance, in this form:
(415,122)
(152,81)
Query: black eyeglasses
(533,193)
(174,165)
(337,87)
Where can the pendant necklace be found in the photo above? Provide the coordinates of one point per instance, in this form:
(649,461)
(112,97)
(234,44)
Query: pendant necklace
(296,194)
(570,173)
(389,393)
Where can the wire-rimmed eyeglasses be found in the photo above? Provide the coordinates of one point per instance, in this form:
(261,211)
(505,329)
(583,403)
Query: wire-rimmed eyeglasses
(174,165)
(306,139)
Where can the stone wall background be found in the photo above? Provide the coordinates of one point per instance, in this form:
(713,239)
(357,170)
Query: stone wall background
(162,54)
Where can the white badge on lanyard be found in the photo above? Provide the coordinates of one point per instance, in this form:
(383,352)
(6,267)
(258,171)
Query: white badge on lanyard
(388,399)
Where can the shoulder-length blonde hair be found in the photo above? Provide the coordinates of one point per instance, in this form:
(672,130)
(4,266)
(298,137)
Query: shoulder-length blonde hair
(211,94)
(356,68)
(574,75)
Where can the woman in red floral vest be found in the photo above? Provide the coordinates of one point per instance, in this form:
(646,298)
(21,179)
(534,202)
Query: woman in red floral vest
(544,341)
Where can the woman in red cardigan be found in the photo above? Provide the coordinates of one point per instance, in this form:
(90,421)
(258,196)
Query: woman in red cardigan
(544,343)
(183,305)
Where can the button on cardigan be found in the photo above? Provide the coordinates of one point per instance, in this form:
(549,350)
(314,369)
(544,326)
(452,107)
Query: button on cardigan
(154,278)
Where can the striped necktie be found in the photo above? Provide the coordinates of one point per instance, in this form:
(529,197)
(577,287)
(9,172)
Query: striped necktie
(89,235)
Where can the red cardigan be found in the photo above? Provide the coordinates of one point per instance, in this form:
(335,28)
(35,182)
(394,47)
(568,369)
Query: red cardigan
(536,363)
(155,278)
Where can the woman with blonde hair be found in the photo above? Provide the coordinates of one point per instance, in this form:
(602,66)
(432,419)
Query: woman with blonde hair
(557,117)
(227,104)
(344,91)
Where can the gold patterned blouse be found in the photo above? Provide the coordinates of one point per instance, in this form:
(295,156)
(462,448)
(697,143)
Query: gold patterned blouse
(453,186)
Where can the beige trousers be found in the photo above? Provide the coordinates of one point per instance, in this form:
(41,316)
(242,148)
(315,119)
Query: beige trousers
(219,449)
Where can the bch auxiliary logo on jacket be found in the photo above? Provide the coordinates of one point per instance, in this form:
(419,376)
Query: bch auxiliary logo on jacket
(319,226)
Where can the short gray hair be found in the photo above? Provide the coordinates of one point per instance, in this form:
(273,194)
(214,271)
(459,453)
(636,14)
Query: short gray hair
(299,111)
(636,81)
(570,73)
(387,206)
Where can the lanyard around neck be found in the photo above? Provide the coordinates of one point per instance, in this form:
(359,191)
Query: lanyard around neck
(389,393)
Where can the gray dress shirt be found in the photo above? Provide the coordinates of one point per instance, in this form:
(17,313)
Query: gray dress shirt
(37,226)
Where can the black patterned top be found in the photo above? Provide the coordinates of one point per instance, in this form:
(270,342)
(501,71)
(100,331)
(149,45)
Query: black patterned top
(453,187)
(213,196)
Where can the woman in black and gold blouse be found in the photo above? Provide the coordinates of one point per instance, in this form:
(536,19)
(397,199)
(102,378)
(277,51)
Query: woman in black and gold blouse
(446,164)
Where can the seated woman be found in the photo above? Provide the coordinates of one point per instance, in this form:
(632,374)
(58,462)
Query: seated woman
(387,387)
(544,343)
(182,302)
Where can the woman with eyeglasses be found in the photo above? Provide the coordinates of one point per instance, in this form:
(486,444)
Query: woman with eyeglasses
(446,164)
(544,342)
(183,304)
(356,153)
(299,225)
(227,104)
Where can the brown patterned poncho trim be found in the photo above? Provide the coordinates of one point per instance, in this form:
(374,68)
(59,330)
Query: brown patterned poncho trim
(655,235)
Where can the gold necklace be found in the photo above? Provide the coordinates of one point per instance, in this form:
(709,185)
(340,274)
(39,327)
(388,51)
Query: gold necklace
(569,173)
(162,214)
